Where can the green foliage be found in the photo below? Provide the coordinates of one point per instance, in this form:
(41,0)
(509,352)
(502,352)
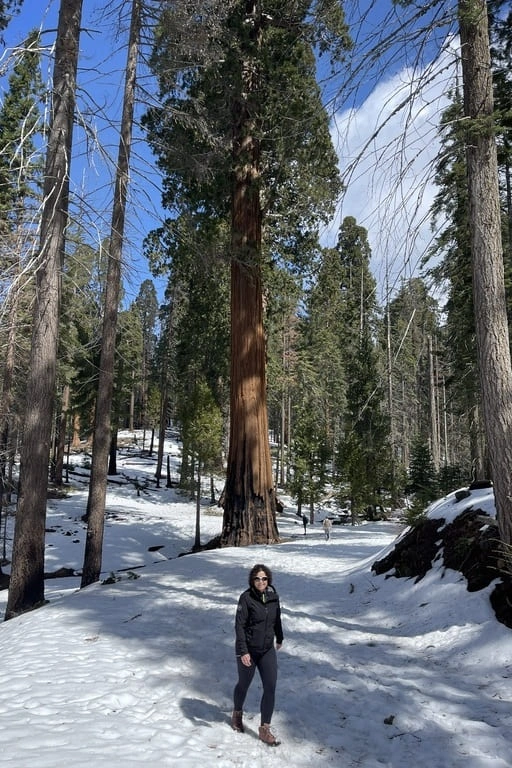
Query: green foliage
(129,368)
(423,482)
(363,452)
(416,513)
(310,450)
(80,325)
(191,131)
(201,428)
(20,123)
(451,477)
(413,319)
(8,8)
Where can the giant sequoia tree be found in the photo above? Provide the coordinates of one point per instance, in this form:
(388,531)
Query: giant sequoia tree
(242,132)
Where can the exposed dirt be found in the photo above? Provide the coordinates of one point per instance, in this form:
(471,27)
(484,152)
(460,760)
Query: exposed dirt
(470,545)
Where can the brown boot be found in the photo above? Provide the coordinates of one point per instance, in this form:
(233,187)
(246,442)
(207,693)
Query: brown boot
(267,736)
(236,721)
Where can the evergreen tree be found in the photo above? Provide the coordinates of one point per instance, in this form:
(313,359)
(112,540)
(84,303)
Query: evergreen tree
(199,289)
(325,340)
(26,588)
(491,322)
(227,140)
(423,481)
(201,420)
(451,206)
(102,421)
(7,10)
(364,448)
(412,317)
(283,363)
(20,123)
(310,446)
(146,304)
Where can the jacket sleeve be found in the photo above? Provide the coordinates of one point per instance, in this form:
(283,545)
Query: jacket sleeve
(242,615)
(278,629)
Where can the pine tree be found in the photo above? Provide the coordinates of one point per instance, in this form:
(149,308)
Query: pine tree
(201,420)
(412,316)
(146,304)
(363,447)
(451,206)
(20,123)
(423,482)
(8,8)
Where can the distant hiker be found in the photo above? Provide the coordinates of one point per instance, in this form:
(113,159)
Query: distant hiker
(327,524)
(304,523)
(257,623)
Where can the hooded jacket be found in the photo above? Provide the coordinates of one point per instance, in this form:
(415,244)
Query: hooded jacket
(258,621)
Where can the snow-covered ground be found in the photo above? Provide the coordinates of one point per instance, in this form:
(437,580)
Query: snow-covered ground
(373,673)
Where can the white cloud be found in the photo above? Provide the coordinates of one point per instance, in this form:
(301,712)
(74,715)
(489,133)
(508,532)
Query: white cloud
(387,149)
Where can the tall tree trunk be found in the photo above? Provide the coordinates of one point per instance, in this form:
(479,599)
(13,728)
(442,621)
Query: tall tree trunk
(131,418)
(27,571)
(249,500)
(102,430)
(434,423)
(7,397)
(76,429)
(61,436)
(164,390)
(487,254)
(197,538)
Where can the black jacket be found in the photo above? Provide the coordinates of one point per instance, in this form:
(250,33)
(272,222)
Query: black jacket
(258,621)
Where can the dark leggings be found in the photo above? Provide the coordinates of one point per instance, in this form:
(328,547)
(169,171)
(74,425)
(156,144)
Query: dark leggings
(266,664)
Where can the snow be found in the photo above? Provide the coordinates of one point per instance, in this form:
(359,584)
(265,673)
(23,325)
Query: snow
(374,672)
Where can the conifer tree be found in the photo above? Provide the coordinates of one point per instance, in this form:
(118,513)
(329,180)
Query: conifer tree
(250,139)
(451,206)
(423,481)
(102,423)
(20,171)
(146,304)
(493,345)
(26,588)
(20,123)
(412,315)
(8,8)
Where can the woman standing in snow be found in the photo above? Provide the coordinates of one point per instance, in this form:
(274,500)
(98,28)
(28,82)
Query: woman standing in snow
(257,623)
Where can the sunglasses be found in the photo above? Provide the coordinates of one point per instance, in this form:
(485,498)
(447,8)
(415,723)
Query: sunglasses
(260,578)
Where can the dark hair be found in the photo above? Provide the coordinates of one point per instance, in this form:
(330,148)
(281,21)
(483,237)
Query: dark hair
(259,567)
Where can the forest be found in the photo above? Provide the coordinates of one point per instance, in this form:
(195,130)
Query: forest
(291,346)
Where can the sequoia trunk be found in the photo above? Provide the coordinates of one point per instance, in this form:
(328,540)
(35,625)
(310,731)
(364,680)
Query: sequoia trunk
(249,498)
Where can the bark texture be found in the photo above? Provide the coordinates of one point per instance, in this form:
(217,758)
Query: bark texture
(102,425)
(249,499)
(487,254)
(27,572)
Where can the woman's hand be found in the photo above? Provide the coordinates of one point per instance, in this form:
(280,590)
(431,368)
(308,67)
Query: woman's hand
(246,659)
(278,645)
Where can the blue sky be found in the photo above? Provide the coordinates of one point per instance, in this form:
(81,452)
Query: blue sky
(392,203)
(99,102)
